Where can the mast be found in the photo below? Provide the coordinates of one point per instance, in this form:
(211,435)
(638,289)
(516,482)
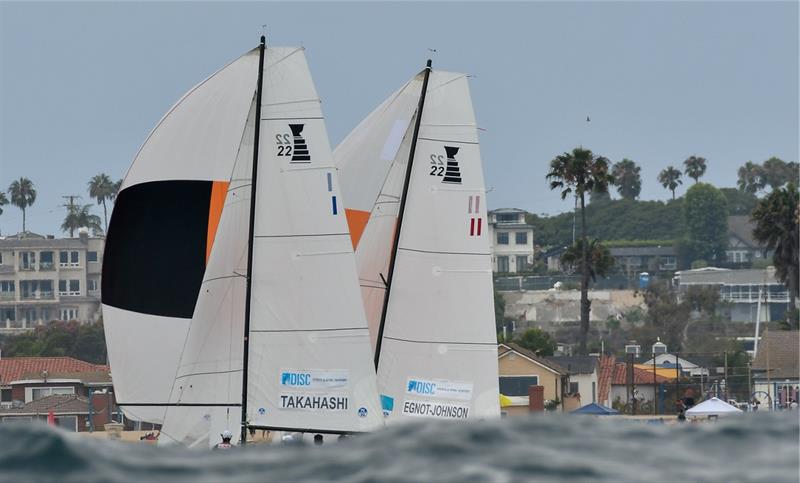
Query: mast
(400,213)
(246,352)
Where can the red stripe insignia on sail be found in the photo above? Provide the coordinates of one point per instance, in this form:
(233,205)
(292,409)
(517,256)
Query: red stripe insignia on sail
(475,222)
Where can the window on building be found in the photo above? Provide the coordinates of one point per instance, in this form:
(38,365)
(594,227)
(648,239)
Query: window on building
(6,289)
(594,391)
(29,314)
(5,395)
(7,314)
(46,261)
(502,238)
(517,385)
(507,217)
(74,259)
(521,265)
(74,287)
(91,285)
(47,315)
(91,256)
(521,238)
(27,260)
(69,313)
(573,388)
(63,259)
(68,423)
(40,392)
(1,258)
(62,287)
(502,264)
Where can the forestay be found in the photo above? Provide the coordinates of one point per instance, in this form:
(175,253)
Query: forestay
(162,230)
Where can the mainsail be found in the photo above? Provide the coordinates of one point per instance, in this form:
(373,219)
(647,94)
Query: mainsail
(306,361)
(162,230)
(426,261)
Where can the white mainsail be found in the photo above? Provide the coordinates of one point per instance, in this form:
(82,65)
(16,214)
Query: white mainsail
(310,364)
(437,354)
(161,231)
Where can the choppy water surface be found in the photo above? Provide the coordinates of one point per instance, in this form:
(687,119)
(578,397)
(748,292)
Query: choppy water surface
(756,447)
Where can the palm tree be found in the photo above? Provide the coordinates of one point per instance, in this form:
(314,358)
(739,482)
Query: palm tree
(776,217)
(580,172)
(600,259)
(79,216)
(670,178)
(3,201)
(627,179)
(751,178)
(694,167)
(23,195)
(101,188)
(115,189)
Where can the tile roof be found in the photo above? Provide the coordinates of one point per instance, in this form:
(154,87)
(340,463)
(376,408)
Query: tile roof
(783,349)
(640,376)
(58,403)
(95,377)
(13,368)
(607,364)
(554,367)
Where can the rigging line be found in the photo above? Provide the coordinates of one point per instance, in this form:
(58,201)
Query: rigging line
(173,405)
(301,235)
(304,430)
(434,252)
(210,373)
(460,190)
(441,342)
(449,141)
(379,287)
(236,275)
(278,61)
(450,81)
(295,101)
(241,141)
(335,329)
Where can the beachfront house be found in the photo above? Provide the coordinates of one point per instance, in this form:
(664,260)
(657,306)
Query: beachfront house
(512,240)
(583,376)
(520,369)
(776,369)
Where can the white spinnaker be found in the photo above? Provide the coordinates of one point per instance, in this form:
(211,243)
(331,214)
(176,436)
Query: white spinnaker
(196,140)
(310,364)
(372,162)
(209,376)
(438,353)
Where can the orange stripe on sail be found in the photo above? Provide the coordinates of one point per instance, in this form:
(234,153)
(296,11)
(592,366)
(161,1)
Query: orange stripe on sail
(357,221)
(218,191)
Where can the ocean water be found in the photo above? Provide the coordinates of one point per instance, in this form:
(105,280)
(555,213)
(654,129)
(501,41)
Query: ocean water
(756,447)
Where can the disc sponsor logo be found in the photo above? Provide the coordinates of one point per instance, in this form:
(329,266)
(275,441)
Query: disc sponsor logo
(439,388)
(362,412)
(319,402)
(312,379)
(435,409)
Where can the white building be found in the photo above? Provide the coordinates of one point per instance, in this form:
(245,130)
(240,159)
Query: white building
(43,278)
(512,240)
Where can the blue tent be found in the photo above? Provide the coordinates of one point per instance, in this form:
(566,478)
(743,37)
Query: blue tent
(596,410)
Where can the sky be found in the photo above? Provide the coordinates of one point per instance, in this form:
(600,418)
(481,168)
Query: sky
(82,84)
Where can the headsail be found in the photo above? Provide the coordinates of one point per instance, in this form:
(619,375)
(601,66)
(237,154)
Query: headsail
(309,366)
(161,232)
(438,351)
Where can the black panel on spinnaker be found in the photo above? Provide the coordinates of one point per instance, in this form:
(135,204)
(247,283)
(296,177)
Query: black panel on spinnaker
(155,251)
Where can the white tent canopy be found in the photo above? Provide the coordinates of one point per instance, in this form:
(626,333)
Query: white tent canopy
(713,407)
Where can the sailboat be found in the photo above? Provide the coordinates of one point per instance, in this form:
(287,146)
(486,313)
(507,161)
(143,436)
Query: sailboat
(276,337)
(413,185)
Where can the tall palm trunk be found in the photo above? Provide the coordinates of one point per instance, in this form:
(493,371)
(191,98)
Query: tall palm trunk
(105,215)
(673,195)
(23,220)
(585,303)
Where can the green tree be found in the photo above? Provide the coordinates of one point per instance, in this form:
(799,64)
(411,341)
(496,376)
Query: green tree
(60,338)
(80,216)
(600,259)
(3,201)
(23,195)
(739,202)
(670,178)
(115,189)
(599,197)
(499,311)
(627,179)
(778,172)
(101,188)
(706,219)
(694,167)
(752,178)
(580,172)
(537,341)
(776,218)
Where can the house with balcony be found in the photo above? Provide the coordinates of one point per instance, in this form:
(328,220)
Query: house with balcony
(746,290)
(742,245)
(512,240)
(78,395)
(634,260)
(43,278)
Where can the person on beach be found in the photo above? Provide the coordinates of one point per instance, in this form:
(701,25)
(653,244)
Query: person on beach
(318,439)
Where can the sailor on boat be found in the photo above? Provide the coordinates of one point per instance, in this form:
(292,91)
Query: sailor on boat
(226,440)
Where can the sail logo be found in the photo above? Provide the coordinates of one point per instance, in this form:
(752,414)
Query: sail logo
(446,167)
(293,145)
(387,404)
(421,387)
(295,379)
(475,219)
(362,412)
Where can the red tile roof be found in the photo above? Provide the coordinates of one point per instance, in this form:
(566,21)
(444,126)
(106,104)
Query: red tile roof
(640,376)
(13,368)
(58,403)
(607,364)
